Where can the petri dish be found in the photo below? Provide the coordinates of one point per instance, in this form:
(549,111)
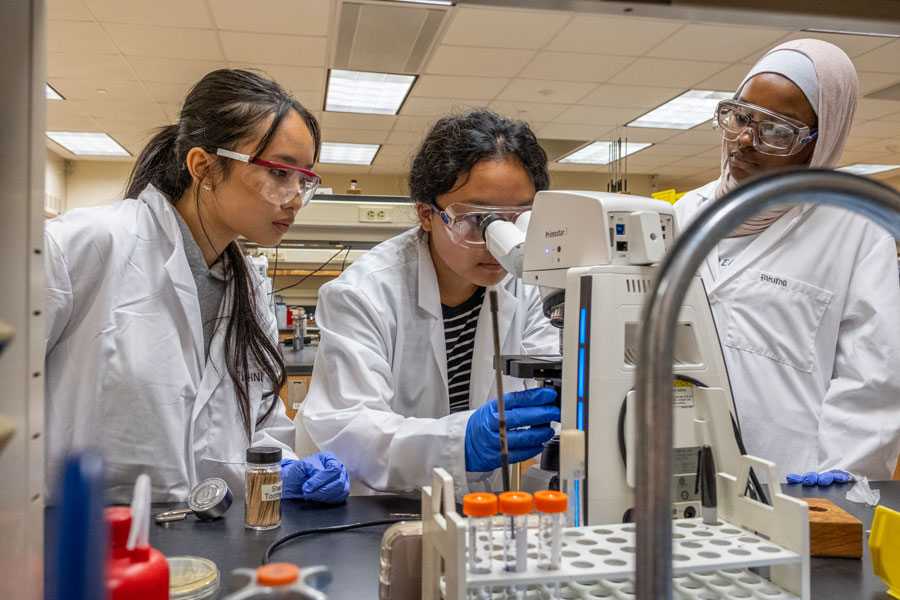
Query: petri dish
(192,578)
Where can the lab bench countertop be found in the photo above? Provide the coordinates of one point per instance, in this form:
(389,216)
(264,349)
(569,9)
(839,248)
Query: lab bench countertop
(299,363)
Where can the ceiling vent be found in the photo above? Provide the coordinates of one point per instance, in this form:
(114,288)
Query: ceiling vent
(386,38)
(889,93)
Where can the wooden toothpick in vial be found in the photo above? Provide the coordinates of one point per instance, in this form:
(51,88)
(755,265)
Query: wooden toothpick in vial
(263,501)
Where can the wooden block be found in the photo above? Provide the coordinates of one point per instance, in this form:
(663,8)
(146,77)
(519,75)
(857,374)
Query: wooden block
(833,531)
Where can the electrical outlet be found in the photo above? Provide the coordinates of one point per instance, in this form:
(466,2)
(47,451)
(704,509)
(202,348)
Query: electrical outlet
(374,214)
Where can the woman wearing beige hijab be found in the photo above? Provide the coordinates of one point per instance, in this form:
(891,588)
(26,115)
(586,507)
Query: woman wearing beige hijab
(806,298)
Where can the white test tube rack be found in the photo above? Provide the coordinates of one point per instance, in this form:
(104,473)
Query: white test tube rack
(708,561)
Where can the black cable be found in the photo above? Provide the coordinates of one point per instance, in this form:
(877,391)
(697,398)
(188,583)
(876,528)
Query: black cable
(332,529)
(317,269)
(346,256)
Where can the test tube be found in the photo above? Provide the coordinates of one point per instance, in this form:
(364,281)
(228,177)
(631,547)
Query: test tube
(515,508)
(480,508)
(551,507)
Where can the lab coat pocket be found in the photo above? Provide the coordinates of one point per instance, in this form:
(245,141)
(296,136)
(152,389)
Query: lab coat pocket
(778,317)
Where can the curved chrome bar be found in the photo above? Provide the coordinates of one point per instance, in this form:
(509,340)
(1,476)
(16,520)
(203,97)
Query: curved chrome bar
(654,375)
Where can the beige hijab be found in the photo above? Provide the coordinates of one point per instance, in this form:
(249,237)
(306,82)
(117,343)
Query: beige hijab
(838,90)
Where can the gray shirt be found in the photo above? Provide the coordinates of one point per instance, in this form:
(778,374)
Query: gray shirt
(210,282)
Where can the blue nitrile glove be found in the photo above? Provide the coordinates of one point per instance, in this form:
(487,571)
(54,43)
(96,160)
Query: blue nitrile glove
(523,409)
(321,477)
(825,478)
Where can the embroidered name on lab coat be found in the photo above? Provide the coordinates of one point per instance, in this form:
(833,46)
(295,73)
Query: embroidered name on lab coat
(772,279)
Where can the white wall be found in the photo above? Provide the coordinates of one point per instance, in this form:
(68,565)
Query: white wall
(92,183)
(55,185)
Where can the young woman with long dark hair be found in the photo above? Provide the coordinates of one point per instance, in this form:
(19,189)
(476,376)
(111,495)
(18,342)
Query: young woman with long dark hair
(161,349)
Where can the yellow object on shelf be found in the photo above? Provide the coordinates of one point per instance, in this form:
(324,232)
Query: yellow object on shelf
(884,546)
(667,196)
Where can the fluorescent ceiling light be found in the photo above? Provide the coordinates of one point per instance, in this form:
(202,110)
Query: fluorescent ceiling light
(598,153)
(863,169)
(348,154)
(88,144)
(687,110)
(362,92)
(438,2)
(51,94)
(866,33)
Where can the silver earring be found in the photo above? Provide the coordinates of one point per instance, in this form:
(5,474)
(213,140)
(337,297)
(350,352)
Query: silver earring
(206,187)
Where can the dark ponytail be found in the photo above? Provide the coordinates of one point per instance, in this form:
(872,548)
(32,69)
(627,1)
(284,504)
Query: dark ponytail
(223,109)
(457,143)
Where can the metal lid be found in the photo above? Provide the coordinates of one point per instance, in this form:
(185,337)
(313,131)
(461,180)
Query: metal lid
(261,455)
(207,494)
(192,578)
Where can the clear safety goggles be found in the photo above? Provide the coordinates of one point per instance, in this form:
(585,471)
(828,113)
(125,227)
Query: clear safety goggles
(276,182)
(463,221)
(774,134)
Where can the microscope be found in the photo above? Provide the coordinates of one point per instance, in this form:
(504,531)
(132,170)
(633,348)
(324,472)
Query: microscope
(594,256)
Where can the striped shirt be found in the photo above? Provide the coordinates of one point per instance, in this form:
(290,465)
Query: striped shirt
(459,335)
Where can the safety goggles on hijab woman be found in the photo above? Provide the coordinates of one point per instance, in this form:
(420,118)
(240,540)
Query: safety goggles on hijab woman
(773,133)
(463,221)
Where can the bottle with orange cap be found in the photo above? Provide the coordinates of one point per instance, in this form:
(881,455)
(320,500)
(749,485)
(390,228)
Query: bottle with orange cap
(480,509)
(551,506)
(515,508)
(278,581)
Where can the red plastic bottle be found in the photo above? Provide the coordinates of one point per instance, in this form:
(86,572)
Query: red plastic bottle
(139,574)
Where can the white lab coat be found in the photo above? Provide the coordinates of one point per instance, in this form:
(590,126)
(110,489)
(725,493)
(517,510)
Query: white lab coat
(125,365)
(809,320)
(378,397)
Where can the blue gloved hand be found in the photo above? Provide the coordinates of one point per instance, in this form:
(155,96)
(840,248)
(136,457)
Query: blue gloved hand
(321,477)
(523,409)
(825,478)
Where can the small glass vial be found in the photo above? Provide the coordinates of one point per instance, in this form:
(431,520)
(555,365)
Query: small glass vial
(551,508)
(263,499)
(480,508)
(515,508)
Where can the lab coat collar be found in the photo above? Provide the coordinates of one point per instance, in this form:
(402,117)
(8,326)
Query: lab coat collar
(763,242)
(430,302)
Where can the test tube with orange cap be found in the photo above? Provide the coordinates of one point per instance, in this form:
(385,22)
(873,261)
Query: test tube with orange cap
(515,508)
(551,507)
(480,508)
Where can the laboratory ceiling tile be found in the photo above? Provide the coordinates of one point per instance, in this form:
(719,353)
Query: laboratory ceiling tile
(172,93)
(726,80)
(343,120)
(628,96)
(293,50)
(596,115)
(894,118)
(410,139)
(532,112)
(389,161)
(872,82)
(853,45)
(671,149)
(78,37)
(165,42)
(503,28)
(572,66)
(437,107)
(539,90)
(354,136)
(292,17)
(172,70)
(166,13)
(669,73)
(133,124)
(884,59)
(69,10)
(295,78)
(467,88)
(112,109)
(565,131)
(701,135)
(645,134)
(325,168)
(401,150)
(612,35)
(100,89)
(478,62)
(414,124)
(88,66)
(71,123)
(693,42)
(876,129)
(870,108)
(310,99)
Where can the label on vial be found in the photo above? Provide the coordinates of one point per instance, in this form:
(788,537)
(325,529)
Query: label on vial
(683,395)
(270,492)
